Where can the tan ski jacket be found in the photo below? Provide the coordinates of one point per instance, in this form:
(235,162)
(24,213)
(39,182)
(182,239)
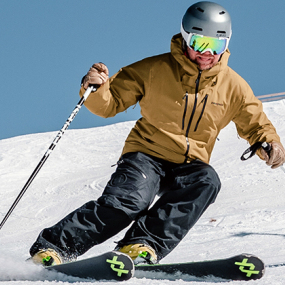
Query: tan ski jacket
(183,109)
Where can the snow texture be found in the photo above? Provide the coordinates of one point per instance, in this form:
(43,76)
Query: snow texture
(247,217)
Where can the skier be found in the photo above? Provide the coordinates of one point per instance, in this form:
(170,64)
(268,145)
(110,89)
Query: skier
(186,96)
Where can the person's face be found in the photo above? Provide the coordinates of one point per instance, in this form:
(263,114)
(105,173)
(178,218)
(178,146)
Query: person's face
(205,60)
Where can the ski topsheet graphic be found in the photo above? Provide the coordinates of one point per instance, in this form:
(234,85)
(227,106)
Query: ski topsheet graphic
(239,267)
(108,266)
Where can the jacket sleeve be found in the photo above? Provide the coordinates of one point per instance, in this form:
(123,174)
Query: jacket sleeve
(121,91)
(252,123)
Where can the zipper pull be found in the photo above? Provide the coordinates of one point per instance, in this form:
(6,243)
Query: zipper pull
(118,162)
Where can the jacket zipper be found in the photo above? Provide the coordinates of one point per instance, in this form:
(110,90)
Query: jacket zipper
(185,109)
(203,109)
(195,102)
(132,165)
(193,112)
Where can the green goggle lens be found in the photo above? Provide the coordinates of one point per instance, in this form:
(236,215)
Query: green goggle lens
(202,44)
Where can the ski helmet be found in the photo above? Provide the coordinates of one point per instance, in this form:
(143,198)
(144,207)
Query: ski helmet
(207,19)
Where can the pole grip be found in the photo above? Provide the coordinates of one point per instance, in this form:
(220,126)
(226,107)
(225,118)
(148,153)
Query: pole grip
(267,147)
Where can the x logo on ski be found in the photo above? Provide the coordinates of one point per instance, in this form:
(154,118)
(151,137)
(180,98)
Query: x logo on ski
(121,265)
(244,264)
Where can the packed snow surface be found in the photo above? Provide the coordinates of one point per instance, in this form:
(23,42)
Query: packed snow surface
(247,217)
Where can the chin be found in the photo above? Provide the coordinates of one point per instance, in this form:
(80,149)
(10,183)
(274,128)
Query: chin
(205,67)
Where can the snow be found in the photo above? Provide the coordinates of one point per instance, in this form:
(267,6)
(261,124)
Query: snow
(247,217)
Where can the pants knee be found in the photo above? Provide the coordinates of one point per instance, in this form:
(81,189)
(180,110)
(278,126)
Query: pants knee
(199,176)
(130,207)
(213,178)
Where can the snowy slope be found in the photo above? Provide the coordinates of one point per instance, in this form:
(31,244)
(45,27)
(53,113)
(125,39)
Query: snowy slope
(248,216)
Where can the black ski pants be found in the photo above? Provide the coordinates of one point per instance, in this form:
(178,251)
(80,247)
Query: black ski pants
(185,190)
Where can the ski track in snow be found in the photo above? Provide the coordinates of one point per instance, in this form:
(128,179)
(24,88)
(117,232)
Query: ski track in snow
(247,217)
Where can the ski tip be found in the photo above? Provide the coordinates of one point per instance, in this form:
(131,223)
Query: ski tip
(122,265)
(250,266)
(111,265)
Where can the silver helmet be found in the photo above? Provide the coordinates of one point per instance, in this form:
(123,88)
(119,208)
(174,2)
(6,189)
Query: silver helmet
(207,19)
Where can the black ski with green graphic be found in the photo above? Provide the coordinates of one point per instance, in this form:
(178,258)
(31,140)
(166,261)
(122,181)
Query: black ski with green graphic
(108,266)
(240,267)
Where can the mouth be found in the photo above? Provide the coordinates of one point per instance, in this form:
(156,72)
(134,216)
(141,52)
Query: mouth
(204,62)
(204,59)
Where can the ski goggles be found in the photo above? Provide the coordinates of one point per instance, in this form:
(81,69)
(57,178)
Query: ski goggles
(203,44)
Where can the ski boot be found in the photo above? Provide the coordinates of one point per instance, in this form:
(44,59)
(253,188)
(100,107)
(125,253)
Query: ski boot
(139,253)
(47,257)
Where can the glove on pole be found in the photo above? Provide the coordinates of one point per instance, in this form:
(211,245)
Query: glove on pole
(267,147)
(48,152)
(252,150)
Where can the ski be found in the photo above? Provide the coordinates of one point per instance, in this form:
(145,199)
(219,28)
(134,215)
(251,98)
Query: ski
(119,267)
(111,265)
(239,267)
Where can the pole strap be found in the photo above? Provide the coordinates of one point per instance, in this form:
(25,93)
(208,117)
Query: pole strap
(250,152)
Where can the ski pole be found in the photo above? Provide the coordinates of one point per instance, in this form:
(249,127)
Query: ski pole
(48,152)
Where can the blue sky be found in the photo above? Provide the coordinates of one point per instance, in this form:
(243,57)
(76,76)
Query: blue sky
(47,46)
